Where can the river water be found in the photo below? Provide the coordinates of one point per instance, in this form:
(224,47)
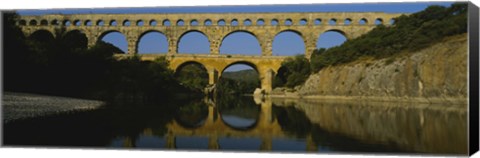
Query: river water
(249,124)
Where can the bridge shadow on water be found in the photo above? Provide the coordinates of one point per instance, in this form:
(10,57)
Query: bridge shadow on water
(228,124)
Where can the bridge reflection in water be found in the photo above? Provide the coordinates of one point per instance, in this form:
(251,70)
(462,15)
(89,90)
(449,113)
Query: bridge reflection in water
(371,127)
(266,128)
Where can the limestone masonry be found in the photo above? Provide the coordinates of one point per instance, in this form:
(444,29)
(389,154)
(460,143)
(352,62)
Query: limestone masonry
(215,26)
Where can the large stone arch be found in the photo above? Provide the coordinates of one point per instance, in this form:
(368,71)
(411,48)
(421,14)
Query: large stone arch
(190,31)
(291,30)
(343,32)
(142,34)
(104,33)
(179,66)
(250,32)
(339,31)
(297,32)
(68,34)
(251,64)
(40,31)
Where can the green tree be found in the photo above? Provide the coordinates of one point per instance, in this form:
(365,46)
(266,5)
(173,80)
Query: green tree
(316,62)
(193,76)
(294,72)
(65,66)
(15,54)
(238,82)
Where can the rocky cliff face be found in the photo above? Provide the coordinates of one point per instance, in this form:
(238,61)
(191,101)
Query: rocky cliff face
(435,74)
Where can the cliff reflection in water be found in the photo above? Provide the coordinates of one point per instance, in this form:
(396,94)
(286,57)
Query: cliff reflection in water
(248,124)
(410,127)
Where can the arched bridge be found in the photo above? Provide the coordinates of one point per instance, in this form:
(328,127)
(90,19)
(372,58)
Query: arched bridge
(266,66)
(215,26)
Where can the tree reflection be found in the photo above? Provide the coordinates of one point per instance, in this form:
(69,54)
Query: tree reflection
(292,121)
(238,112)
(193,114)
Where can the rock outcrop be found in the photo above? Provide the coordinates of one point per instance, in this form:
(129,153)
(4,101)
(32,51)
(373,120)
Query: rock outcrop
(435,74)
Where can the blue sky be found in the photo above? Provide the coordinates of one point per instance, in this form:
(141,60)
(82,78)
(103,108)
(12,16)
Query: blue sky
(405,7)
(287,43)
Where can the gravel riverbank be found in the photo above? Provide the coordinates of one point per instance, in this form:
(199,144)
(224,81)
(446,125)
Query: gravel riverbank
(23,105)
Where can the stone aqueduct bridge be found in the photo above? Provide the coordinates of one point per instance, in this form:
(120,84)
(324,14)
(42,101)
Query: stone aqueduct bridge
(266,66)
(215,26)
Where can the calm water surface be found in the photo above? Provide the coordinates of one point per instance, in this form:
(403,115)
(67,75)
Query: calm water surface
(247,124)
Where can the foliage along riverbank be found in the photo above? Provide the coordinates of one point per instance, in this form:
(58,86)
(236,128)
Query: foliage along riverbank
(63,65)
